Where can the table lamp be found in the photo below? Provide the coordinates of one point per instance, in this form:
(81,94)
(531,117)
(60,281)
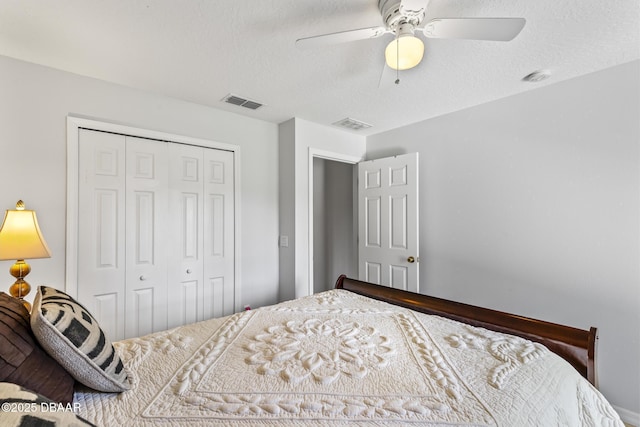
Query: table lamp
(20,239)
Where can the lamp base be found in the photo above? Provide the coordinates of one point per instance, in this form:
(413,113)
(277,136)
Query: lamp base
(20,288)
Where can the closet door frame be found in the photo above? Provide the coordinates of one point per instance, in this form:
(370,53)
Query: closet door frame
(74,124)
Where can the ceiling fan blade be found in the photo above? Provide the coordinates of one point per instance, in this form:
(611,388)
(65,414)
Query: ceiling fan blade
(496,29)
(387,77)
(341,37)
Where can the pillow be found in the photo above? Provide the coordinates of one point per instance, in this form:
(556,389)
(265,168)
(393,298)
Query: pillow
(72,336)
(22,407)
(23,361)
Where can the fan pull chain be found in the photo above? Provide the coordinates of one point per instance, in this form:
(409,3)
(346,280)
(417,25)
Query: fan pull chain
(397,60)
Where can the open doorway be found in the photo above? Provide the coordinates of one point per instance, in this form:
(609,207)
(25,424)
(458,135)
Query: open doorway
(335,246)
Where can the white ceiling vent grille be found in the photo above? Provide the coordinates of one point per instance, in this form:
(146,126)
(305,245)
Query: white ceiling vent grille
(242,102)
(352,124)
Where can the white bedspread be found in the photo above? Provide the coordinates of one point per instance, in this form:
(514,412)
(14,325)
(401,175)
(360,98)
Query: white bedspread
(338,358)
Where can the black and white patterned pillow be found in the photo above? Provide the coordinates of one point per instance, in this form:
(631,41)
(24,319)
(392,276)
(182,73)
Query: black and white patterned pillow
(72,336)
(24,408)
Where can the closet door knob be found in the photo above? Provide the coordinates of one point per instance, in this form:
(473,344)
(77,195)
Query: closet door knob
(143,277)
(188,271)
(411,260)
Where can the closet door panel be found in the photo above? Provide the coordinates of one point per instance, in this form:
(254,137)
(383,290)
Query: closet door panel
(214,298)
(101,230)
(219,230)
(185,231)
(146,219)
(188,302)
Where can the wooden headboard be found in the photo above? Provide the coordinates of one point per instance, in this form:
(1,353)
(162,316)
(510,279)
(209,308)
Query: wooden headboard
(576,346)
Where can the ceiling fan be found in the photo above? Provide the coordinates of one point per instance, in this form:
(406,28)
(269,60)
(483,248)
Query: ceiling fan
(403,18)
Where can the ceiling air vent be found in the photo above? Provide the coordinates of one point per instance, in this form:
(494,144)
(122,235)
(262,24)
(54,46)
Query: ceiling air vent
(352,124)
(242,102)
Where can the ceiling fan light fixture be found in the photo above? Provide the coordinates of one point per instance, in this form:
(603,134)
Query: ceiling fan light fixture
(404,52)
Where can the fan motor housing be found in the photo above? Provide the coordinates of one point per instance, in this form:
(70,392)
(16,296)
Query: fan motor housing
(393,15)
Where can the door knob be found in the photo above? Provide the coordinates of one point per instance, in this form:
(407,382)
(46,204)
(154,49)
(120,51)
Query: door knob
(143,277)
(411,260)
(188,271)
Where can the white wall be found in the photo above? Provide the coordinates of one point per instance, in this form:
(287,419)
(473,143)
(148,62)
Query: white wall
(301,138)
(35,102)
(530,204)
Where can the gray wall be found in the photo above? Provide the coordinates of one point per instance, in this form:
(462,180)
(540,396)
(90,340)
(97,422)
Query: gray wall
(320,193)
(341,222)
(530,204)
(286,203)
(334,224)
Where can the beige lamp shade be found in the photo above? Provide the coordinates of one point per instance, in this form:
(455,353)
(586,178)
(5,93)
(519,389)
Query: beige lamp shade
(20,236)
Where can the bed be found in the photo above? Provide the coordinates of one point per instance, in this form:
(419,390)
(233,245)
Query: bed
(359,354)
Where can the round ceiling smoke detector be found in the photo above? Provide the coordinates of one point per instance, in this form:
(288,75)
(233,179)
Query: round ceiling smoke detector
(537,76)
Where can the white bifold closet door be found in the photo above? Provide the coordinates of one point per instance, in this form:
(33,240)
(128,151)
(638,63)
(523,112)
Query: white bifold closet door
(201,274)
(146,222)
(155,233)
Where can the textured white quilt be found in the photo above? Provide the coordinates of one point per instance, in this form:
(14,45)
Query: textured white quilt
(338,358)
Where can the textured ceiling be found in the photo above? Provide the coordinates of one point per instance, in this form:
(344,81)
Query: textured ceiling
(202,50)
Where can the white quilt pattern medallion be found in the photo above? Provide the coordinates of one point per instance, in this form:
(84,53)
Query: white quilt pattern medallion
(321,360)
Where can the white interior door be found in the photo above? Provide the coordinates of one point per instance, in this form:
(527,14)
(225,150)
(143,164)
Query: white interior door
(101,229)
(201,234)
(185,234)
(146,223)
(219,226)
(388,240)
